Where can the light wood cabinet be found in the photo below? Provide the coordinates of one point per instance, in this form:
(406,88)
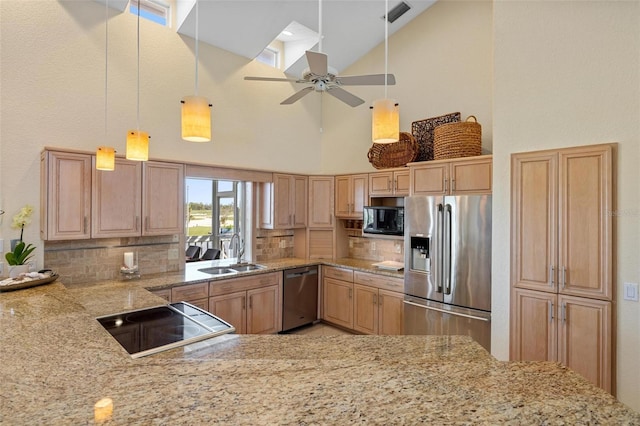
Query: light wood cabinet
(390,312)
(575,331)
(284,202)
(561,259)
(351,195)
(162,198)
(337,302)
(252,304)
(196,294)
(116,200)
(470,175)
(377,308)
(164,293)
(394,183)
(321,198)
(65,197)
(365,309)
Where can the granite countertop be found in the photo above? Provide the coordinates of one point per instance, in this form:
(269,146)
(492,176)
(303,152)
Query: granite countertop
(57,362)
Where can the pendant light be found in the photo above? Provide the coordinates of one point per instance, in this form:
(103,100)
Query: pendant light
(196,112)
(105,155)
(385,127)
(137,140)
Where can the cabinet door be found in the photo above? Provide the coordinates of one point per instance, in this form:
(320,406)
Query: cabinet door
(585,338)
(282,194)
(534,221)
(231,308)
(115,200)
(343,196)
(429,179)
(338,302)
(66,196)
(365,309)
(390,312)
(360,196)
(320,201)
(401,183)
(299,201)
(471,176)
(585,198)
(262,313)
(162,198)
(533,326)
(380,183)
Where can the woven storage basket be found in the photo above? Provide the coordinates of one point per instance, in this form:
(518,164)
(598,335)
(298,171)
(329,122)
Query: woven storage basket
(455,140)
(397,154)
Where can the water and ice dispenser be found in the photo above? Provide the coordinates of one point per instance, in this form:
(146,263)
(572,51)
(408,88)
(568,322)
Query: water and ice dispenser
(420,260)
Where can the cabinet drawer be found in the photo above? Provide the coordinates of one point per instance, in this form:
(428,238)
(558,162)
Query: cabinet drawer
(190,292)
(164,293)
(379,281)
(246,283)
(338,273)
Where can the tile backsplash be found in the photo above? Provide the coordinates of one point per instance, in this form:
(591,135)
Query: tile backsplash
(86,261)
(378,249)
(273,244)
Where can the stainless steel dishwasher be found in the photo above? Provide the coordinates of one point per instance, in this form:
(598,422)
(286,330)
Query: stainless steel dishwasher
(300,297)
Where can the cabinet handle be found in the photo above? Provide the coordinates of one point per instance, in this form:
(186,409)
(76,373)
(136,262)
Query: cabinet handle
(395,185)
(380,300)
(250,302)
(551,312)
(388,185)
(551,275)
(453,184)
(244,303)
(375,301)
(564,312)
(350,293)
(445,184)
(564,276)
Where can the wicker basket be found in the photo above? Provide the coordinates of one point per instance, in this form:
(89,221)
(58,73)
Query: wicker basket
(397,154)
(455,140)
(422,130)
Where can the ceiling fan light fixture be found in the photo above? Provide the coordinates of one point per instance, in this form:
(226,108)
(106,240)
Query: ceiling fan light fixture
(137,145)
(105,158)
(385,126)
(196,119)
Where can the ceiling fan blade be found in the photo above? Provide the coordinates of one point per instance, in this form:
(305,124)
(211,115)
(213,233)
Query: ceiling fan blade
(365,80)
(344,96)
(294,80)
(317,63)
(300,93)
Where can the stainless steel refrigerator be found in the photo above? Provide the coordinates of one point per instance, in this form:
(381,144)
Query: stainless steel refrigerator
(447,282)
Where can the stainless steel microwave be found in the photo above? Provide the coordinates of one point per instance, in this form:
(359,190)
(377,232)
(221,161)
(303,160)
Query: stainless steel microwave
(383,220)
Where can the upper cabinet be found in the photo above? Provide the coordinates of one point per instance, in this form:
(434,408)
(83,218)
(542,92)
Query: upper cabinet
(80,202)
(65,195)
(561,221)
(321,201)
(469,175)
(284,202)
(389,183)
(352,194)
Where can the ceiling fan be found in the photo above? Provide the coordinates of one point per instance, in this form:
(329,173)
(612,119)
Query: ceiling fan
(320,77)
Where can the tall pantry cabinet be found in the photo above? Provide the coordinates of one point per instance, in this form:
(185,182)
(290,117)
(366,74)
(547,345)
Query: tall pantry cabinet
(561,259)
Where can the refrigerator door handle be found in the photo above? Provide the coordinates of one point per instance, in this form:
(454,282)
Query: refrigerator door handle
(444,311)
(440,248)
(447,250)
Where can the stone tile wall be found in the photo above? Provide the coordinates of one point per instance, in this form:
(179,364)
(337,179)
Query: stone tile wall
(273,244)
(378,249)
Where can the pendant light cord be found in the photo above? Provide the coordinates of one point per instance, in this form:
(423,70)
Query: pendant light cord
(106,59)
(138,52)
(320,26)
(197,23)
(386,45)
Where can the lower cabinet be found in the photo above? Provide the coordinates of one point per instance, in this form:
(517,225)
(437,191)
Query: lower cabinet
(164,293)
(362,301)
(575,331)
(251,304)
(196,294)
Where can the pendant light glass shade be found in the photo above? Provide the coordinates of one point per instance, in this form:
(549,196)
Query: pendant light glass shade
(386,121)
(137,145)
(196,119)
(105,158)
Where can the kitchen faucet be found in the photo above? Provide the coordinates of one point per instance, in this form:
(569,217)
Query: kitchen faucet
(239,249)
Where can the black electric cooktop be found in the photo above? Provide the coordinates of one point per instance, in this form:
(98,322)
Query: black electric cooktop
(152,330)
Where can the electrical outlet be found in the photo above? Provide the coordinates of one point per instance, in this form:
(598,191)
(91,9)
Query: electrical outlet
(1,268)
(398,247)
(631,291)
(350,243)
(282,244)
(176,238)
(372,246)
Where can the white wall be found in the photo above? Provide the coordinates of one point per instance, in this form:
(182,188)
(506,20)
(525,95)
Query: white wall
(566,74)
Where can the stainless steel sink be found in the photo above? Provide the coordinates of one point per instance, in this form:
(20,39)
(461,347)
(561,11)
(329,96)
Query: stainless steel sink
(246,267)
(218,270)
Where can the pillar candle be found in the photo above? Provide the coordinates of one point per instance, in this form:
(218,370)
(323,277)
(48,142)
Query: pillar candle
(128,259)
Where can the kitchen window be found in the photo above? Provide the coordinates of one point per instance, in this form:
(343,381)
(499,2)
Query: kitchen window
(217,209)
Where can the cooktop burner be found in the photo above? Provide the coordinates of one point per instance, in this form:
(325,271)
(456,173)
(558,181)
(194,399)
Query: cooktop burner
(152,330)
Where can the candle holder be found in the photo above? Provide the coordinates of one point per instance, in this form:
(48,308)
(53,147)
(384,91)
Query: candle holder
(129,270)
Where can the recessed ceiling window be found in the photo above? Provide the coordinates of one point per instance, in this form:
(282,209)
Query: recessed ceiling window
(269,56)
(153,10)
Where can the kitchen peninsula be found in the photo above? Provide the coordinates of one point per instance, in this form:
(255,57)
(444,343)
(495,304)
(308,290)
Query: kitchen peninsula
(57,362)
